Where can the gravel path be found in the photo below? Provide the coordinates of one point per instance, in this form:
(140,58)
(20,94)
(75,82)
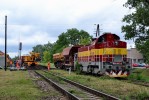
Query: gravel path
(53,94)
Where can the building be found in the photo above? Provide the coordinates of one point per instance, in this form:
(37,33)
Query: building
(134,56)
(2,59)
(1,53)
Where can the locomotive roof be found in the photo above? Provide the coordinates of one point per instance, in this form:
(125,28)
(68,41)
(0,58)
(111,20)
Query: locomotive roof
(67,50)
(108,33)
(56,54)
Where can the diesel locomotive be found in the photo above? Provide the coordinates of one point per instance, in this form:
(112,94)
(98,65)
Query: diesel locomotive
(107,54)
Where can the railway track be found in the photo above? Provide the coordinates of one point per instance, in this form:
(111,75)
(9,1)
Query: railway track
(137,82)
(72,89)
(76,91)
(38,67)
(44,86)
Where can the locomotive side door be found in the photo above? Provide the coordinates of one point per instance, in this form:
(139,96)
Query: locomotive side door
(75,60)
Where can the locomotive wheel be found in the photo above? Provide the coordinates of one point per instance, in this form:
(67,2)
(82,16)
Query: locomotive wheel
(33,64)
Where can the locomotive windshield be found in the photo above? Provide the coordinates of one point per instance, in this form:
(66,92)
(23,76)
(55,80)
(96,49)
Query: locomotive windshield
(101,39)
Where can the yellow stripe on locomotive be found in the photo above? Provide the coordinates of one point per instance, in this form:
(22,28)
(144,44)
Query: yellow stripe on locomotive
(105,51)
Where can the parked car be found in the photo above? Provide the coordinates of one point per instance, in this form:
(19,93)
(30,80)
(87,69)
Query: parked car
(135,65)
(139,65)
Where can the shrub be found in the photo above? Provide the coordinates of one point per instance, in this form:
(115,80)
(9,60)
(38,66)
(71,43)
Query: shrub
(78,67)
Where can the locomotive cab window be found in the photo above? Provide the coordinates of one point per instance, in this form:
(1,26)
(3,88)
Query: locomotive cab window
(116,38)
(101,39)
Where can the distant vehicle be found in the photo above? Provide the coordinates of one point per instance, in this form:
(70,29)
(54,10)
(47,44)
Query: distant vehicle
(135,65)
(13,68)
(140,65)
(31,60)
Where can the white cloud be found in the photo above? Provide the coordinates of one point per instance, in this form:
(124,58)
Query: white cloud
(40,21)
(16,53)
(37,38)
(130,44)
(32,39)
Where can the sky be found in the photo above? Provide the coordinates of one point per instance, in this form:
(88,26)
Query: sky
(35,22)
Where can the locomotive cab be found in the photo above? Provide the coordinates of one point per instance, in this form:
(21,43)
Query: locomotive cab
(106,55)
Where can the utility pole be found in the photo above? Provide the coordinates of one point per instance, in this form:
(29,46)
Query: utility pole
(97,32)
(5,43)
(20,48)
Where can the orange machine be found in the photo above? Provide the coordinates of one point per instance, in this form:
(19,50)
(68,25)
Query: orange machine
(32,59)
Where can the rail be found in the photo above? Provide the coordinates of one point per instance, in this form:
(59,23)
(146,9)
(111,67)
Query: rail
(90,90)
(64,92)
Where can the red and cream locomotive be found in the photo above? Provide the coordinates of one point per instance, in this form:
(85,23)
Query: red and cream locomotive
(105,55)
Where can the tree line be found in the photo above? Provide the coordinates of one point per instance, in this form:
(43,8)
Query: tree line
(136,27)
(71,37)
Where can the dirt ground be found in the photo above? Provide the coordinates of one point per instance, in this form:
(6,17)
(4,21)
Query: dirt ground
(53,94)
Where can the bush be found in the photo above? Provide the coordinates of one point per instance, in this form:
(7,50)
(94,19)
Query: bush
(139,77)
(78,67)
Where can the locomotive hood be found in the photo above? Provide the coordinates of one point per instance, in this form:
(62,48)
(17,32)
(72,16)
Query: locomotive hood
(71,50)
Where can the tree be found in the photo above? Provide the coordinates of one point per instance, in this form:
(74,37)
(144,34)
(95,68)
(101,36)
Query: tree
(74,36)
(15,58)
(41,48)
(71,37)
(85,41)
(48,46)
(137,25)
(46,56)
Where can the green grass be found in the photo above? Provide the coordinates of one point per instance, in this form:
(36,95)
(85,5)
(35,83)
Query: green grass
(17,85)
(45,64)
(140,74)
(114,87)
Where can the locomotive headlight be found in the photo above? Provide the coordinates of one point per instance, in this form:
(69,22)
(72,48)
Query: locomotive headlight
(110,67)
